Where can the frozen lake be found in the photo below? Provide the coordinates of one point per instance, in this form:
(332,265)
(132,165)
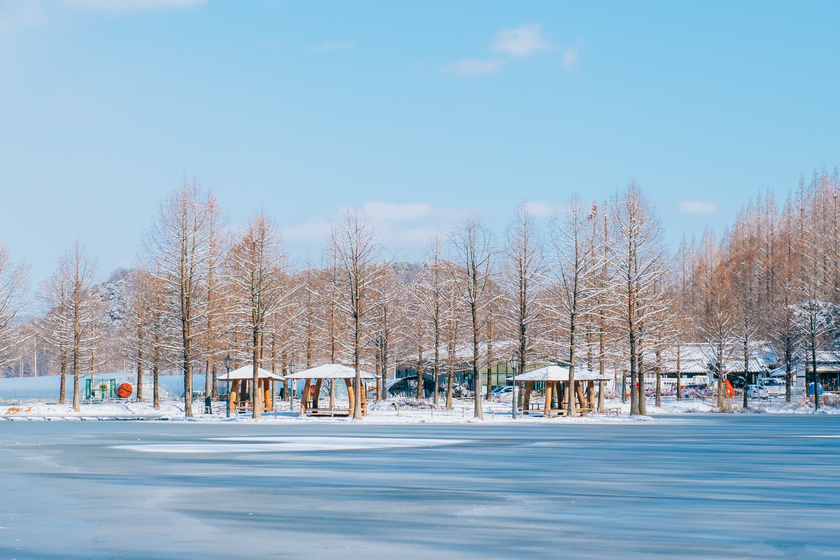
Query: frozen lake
(717,486)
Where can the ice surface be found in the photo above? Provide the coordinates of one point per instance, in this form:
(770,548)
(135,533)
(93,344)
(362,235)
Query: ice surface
(688,486)
(287,444)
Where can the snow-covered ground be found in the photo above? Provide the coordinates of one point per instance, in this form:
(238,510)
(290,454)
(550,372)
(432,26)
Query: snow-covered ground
(391,411)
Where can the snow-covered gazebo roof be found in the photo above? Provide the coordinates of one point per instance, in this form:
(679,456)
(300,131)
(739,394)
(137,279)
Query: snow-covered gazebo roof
(330,371)
(560,373)
(247,372)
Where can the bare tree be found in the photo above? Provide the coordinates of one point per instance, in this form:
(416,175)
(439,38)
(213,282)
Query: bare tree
(386,325)
(74,307)
(360,266)
(574,267)
(57,325)
(639,260)
(258,276)
(14,281)
(180,244)
(521,272)
(215,292)
(429,293)
(717,321)
(474,253)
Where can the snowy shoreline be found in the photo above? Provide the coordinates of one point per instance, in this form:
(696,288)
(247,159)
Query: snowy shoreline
(394,411)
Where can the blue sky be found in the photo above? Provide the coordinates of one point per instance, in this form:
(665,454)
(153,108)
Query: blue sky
(420,112)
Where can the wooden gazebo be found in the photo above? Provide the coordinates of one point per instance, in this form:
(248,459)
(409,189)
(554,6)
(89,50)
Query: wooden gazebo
(556,379)
(241,384)
(311,391)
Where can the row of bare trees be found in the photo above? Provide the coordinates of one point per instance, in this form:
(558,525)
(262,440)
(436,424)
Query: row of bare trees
(596,289)
(774,277)
(593,291)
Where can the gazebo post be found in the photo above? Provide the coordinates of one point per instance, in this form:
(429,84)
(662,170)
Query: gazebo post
(266,389)
(351,394)
(590,388)
(304,398)
(601,396)
(232,396)
(317,393)
(547,408)
(561,395)
(579,391)
(526,397)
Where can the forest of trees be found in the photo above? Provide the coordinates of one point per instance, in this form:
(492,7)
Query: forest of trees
(596,289)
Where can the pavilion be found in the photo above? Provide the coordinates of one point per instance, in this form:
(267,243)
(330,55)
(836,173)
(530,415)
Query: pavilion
(309,397)
(556,379)
(241,383)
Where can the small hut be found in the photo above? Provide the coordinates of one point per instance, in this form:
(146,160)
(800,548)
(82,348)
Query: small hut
(311,392)
(556,379)
(241,384)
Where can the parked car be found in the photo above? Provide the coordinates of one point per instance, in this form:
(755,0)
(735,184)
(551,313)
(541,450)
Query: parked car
(774,388)
(756,392)
(701,380)
(502,394)
(736,382)
(695,391)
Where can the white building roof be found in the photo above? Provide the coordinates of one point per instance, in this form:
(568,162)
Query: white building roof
(247,372)
(559,373)
(330,371)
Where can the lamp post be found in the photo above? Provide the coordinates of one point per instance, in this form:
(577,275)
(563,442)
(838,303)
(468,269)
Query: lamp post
(292,368)
(514,361)
(228,362)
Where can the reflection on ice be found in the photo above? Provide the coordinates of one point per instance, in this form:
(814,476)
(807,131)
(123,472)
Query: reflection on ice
(286,444)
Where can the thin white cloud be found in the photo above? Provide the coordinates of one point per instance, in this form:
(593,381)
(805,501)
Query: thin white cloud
(541,209)
(696,207)
(315,230)
(18,14)
(115,6)
(384,211)
(570,58)
(473,67)
(522,41)
(406,225)
(336,46)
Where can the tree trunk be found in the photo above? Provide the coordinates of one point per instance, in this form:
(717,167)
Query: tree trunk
(478,412)
(570,406)
(436,368)
(156,386)
(450,386)
(208,379)
(256,393)
(814,372)
(788,359)
(658,400)
(377,369)
(807,382)
(634,394)
(679,376)
(62,390)
(641,375)
(721,380)
(420,371)
(357,348)
(139,396)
